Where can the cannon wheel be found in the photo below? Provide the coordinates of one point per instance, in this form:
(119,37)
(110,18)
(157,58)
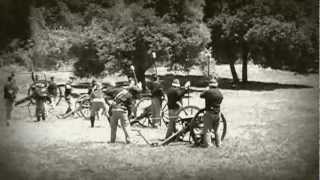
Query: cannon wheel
(185,115)
(197,127)
(143,106)
(165,113)
(84,106)
(143,110)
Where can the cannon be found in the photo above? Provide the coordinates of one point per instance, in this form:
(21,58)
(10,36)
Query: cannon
(192,127)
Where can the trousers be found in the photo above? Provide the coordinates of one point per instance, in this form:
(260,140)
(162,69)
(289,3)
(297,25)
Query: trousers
(94,110)
(40,108)
(155,110)
(9,107)
(121,115)
(211,124)
(172,122)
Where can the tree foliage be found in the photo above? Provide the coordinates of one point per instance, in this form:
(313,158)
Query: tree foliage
(111,35)
(128,34)
(274,33)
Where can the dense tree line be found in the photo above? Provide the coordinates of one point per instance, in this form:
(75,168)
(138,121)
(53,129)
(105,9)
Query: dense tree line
(112,35)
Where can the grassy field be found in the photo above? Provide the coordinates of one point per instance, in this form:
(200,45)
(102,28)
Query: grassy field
(272,134)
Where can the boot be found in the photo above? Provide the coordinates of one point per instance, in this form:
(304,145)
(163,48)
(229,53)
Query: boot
(43,116)
(197,143)
(206,140)
(92,121)
(128,141)
(217,140)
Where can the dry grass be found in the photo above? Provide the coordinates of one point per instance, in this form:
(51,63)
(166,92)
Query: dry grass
(272,135)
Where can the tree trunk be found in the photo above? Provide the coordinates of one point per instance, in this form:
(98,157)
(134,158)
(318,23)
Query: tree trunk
(234,73)
(245,66)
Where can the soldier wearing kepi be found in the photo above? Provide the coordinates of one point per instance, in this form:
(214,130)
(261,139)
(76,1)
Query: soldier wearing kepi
(92,86)
(40,94)
(10,92)
(97,102)
(157,94)
(121,109)
(213,98)
(52,90)
(175,95)
(68,95)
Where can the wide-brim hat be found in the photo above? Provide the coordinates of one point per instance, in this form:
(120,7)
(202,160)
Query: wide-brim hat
(175,83)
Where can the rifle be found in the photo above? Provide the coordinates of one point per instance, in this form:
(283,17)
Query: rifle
(23,100)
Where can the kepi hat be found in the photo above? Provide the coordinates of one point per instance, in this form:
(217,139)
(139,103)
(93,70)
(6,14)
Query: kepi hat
(213,83)
(176,83)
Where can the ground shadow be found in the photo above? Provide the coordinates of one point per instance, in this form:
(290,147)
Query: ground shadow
(202,81)
(227,83)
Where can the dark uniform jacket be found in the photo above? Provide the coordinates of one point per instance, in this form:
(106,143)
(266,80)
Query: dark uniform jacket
(68,90)
(213,98)
(52,88)
(175,95)
(123,99)
(10,91)
(156,90)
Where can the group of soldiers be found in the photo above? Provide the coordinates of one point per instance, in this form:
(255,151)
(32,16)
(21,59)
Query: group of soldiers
(213,99)
(123,102)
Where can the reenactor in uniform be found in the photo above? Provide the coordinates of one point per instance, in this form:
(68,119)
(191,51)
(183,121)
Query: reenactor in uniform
(52,91)
(175,95)
(68,95)
(213,98)
(10,92)
(13,77)
(97,102)
(121,109)
(157,95)
(40,94)
(92,86)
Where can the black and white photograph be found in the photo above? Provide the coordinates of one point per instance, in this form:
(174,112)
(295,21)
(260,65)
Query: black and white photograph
(159,89)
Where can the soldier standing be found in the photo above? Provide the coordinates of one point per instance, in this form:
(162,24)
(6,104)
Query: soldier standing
(121,109)
(68,95)
(157,95)
(175,95)
(52,91)
(97,102)
(213,98)
(40,94)
(10,92)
